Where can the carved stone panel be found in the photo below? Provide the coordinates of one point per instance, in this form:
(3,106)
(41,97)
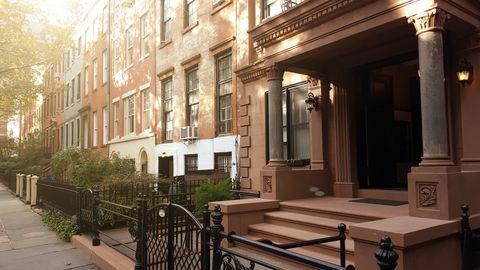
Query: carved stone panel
(267,184)
(427,194)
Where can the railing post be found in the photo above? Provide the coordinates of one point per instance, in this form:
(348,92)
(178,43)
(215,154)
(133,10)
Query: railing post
(33,196)
(215,230)
(78,193)
(206,239)
(141,250)
(20,187)
(17,188)
(28,189)
(466,239)
(386,256)
(170,236)
(95,203)
(342,228)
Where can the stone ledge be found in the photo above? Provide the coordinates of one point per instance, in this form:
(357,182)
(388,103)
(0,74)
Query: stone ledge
(405,231)
(105,257)
(246,205)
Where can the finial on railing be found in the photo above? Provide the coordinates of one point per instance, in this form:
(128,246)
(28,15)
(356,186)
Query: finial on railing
(217,215)
(386,256)
(342,228)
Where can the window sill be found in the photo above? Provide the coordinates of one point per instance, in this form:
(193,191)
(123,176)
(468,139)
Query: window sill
(164,43)
(220,6)
(144,57)
(189,28)
(128,67)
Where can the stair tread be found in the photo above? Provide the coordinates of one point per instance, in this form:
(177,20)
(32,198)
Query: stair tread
(307,219)
(296,234)
(306,252)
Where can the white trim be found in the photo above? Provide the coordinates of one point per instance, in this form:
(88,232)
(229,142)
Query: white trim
(144,86)
(117,99)
(131,137)
(129,93)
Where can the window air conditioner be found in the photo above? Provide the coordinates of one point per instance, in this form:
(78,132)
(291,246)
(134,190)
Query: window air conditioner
(189,133)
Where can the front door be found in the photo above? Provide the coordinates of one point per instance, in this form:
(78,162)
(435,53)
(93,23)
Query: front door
(389,125)
(165,167)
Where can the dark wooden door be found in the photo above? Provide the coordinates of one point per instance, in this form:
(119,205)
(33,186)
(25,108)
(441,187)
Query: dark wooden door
(165,166)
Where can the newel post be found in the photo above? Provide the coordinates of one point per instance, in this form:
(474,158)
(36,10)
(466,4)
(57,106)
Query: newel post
(386,256)
(95,203)
(215,231)
(206,239)
(141,250)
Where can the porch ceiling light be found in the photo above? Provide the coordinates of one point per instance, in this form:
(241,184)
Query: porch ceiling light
(464,71)
(312,102)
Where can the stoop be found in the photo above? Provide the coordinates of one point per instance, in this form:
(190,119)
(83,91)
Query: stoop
(105,257)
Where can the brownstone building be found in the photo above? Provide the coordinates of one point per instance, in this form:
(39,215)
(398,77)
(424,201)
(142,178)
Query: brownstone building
(132,90)
(388,120)
(196,89)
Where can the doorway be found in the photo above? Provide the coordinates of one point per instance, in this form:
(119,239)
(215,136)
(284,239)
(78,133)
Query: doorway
(389,135)
(165,166)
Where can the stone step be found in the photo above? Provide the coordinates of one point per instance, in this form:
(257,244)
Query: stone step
(306,222)
(306,251)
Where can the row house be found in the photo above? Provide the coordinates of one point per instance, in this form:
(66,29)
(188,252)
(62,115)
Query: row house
(196,106)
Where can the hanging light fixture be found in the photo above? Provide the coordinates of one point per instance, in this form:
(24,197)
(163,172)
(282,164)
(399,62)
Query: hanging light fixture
(464,71)
(312,102)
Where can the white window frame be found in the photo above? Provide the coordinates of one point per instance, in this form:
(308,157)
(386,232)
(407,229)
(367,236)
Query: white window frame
(129,41)
(116,56)
(146,112)
(95,74)
(145,36)
(116,119)
(104,67)
(79,85)
(105,19)
(86,80)
(129,124)
(105,125)
(95,129)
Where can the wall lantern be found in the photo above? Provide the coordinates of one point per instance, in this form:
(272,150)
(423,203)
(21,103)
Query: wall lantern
(464,71)
(312,102)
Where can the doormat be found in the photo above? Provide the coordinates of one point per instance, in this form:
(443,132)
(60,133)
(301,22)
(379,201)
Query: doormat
(380,201)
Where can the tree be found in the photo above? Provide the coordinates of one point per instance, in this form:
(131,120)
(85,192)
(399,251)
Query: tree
(29,41)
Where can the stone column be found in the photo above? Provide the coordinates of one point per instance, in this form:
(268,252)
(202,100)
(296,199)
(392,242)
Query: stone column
(17,186)
(320,88)
(28,189)
(429,26)
(275,125)
(33,198)
(20,193)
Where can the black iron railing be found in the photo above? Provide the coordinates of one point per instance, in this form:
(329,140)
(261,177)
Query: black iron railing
(63,197)
(470,240)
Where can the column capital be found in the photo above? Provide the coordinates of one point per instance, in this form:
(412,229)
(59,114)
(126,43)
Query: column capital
(274,72)
(429,20)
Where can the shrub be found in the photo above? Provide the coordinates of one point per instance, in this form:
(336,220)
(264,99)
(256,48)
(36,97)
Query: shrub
(211,192)
(59,223)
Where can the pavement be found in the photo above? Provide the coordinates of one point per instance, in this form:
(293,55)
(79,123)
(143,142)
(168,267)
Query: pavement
(26,243)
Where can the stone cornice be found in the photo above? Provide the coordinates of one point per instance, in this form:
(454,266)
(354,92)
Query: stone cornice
(252,74)
(430,20)
(307,19)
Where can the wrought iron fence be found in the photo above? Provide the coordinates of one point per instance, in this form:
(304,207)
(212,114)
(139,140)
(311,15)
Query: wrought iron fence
(9,180)
(61,196)
(470,240)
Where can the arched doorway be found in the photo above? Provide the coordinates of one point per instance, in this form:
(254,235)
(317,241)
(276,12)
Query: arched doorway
(144,162)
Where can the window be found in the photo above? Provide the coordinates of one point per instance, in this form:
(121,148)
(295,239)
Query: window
(66,136)
(72,134)
(275,7)
(79,84)
(192,97)
(129,112)
(86,81)
(129,47)
(95,30)
(95,74)
(104,67)
(145,33)
(295,120)
(116,123)
(166,20)
(95,128)
(72,90)
(78,132)
(191,163)
(116,56)
(191,12)
(146,110)
(67,97)
(79,46)
(224,90)
(223,161)
(167,109)
(105,19)
(87,39)
(105,125)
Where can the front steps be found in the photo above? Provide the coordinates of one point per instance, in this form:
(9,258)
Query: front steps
(314,218)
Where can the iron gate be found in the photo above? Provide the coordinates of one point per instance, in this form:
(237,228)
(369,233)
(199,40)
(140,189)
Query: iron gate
(171,238)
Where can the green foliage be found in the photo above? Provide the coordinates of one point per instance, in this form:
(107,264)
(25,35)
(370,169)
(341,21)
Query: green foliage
(211,192)
(62,225)
(32,154)
(86,168)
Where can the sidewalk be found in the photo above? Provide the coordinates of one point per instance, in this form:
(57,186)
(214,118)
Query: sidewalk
(25,243)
